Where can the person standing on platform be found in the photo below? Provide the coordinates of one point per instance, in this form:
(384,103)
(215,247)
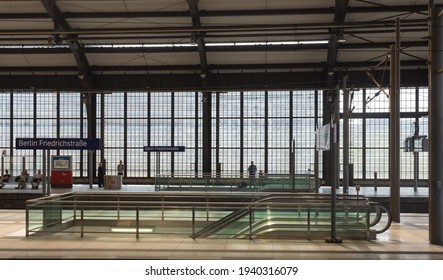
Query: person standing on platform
(120,168)
(252,170)
(100,175)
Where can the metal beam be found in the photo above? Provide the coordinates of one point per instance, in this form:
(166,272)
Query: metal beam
(378,24)
(174,38)
(349,66)
(222,13)
(62,25)
(339,18)
(203,50)
(198,37)
(84,74)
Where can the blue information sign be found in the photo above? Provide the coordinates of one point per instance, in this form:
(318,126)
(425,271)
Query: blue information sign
(57,143)
(170,149)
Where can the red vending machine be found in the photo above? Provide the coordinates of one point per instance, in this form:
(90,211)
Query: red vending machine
(61,173)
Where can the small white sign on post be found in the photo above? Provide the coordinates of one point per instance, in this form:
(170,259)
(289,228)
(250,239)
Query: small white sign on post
(322,138)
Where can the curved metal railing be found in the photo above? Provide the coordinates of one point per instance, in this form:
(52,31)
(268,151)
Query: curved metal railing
(233,215)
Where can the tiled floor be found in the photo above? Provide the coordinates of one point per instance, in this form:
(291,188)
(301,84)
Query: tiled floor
(405,240)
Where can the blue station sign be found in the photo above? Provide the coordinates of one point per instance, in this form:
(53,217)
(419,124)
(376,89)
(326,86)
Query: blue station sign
(57,143)
(170,149)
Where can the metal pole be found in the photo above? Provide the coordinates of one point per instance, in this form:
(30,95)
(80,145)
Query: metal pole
(3,170)
(335,176)
(193,221)
(82,221)
(293,165)
(48,172)
(436,128)
(336,140)
(137,222)
(375,181)
(27,219)
(250,223)
(416,175)
(309,223)
(345,136)
(157,164)
(207,134)
(90,169)
(44,173)
(316,153)
(394,130)
(23,163)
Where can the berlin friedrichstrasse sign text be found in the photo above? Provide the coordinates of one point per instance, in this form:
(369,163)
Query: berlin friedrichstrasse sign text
(57,143)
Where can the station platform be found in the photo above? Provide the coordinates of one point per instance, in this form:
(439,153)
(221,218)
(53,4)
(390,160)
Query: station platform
(405,240)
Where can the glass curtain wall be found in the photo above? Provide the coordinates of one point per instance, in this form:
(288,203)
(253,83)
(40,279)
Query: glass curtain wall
(28,114)
(369,132)
(259,126)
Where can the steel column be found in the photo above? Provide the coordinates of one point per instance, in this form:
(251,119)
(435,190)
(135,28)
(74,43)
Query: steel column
(45,174)
(242,131)
(436,128)
(196,123)
(334,165)
(217,135)
(266,136)
(345,136)
(316,152)
(172,143)
(394,128)
(207,133)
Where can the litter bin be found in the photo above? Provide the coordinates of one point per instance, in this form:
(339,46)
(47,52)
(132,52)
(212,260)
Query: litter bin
(113,182)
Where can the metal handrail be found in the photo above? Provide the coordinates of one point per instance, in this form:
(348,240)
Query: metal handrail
(299,200)
(230,181)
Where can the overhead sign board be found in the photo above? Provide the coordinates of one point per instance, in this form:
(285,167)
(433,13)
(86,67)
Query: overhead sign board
(170,149)
(57,143)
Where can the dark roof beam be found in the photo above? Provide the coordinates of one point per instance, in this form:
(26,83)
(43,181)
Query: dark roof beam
(221,29)
(222,13)
(198,37)
(125,38)
(252,48)
(196,68)
(62,25)
(336,33)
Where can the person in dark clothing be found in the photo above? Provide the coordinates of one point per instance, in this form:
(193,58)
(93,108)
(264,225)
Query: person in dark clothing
(100,175)
(252,170)
(120,168)
(5,178)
